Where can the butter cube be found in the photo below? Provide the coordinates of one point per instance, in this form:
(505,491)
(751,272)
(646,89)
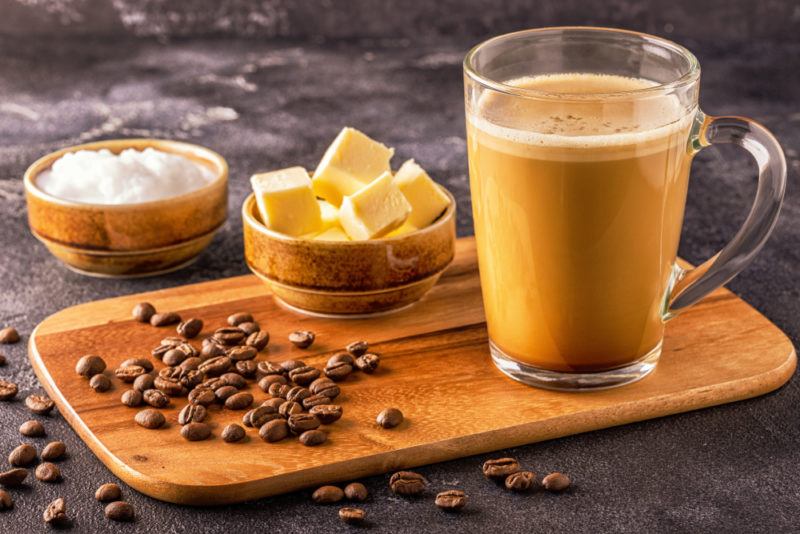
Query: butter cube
(329,214)
(286,202)
(352,161)
(374,210)
(405,228)
(334,233)
(426,198)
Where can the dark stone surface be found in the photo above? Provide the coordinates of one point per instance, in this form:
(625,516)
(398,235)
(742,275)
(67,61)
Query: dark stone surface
(267,104)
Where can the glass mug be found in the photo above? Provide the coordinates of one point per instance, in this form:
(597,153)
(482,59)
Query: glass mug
(580,142)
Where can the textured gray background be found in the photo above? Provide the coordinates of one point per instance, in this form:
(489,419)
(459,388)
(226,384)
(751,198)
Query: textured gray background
(268,84)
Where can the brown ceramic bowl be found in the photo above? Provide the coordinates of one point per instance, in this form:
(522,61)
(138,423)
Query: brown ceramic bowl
(129,240)
(353,278)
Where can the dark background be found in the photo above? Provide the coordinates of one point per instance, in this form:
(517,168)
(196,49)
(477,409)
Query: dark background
(268,84)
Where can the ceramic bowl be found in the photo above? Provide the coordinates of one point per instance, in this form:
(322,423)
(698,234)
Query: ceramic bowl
(129,240)
(352,278)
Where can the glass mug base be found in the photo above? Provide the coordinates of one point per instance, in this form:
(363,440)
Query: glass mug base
(555,380)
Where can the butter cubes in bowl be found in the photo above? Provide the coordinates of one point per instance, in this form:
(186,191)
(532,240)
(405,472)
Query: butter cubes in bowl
(353,239)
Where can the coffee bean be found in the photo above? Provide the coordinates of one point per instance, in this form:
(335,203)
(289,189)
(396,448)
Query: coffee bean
(407,483)
(327,495)
(246,368)
(170,386)
(188,379)
(357,348)
(356,491)
(249,328)
(302,339)
(90,365)
(160,350)
(312,438)
(222,393)
(56,513)
(232,433)
(144,363)
(202,396)
(390,418)
(234,379)
(192,413)
(242,353)
(100,383)
(368,362)
(315,400)
(300,422)
(13,477)
(150,418)
(238,318)
(22,455)
(326,413)
(325,386)
(500,468)
(274,430)
(212,350)
(39,404)
(173,341)
(239,401)
(279,390)
(352,516)
(174,357)
(8,336)
(257,417)
(143,383)
(273,403)
(53,451)
(229,336)
(132,398)
(270,369)
(6,502)
(190,329)
(143,312)
(258,340)
(108,492)
(520,481)
(451,500)
(119,511)
(297,394)
(8,390)
(47,472)
(190,364)
(32,429)
(338,371)
(556,482)
(289,408)
(195,431)
(213,383)
(155,398)
(341,357)
(216,366)
(129,373)
(291,365)
(165,319)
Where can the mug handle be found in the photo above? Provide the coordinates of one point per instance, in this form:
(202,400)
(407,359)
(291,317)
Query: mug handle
(689,286)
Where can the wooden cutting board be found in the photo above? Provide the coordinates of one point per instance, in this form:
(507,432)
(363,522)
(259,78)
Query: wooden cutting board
(435,367)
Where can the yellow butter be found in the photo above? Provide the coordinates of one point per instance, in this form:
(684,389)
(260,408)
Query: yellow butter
(426,198)
(352,161)
(286,201)
(334,233)
(374,210)
(329,214)
(405,228)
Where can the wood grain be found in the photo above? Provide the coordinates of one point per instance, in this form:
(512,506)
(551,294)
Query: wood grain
(434,358)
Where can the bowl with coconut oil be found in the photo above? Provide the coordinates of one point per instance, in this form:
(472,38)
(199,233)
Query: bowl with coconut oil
(127,207)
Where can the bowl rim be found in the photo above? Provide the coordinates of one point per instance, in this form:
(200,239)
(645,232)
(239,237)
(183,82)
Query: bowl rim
(444,218)
(181,148)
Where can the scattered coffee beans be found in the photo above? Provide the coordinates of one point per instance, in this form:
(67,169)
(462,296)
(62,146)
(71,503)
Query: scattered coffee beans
(233,433)
(451,500)
(150,418)
(100,383)
(8,335)
(108,492)
(32,429)
(6,502)
(327,495)
(90,365)
(192,413)
(54,450)
(302,339)
(119,511)
(352,516)
(155,398)
(368,362)
(274,430)
(556,482)
(500,468)
(23,455)
(39,404)
(356,491)
(143,312)
(312,438)
(238,318)
(520,481)
(326,413)
(8,390)
(165,319)
(56,513)
(13,477)
(47,472)
(132,398)
(190,329)
(407,483)
(390,418)
(195,431)
(258,340)
(357,348)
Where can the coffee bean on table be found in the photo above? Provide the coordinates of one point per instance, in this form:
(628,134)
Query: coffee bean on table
(239,401)
(143,383)
(407,483)
(290,365)
(271,369)
(143,312)
(390,418)
(47,472)
(129,373)
(357,348)
(451,500)
(556,482)
(191,364)
(56,513)
(195,431)
(302,339)
(356,491)
(520,481)
(192,413)
(53,451)
(222,393)
(150,418)
(232,433)
(326,413)
(229,336)
(8,390)
(500,468)
(144,363)
(268,380)
(297,393)
(211,350)
(202,396)
(90,365)
(246,368)
(368,362)
(190,329)
(132,398)
(258,340)
(155,398)
(338,371)
(169,385)
(238,318)
(315,400)
(279,390)
(165,319)
(352,516)
(324,386)
(258,416)
(242,353)
(6,502)
(274,403)
(249,328)
(23,455)
(289,408)
(119,511)
(274,430)
(32,429)
(13,477)
(312,438)
(327,495)
(234,379)
(215,366)
(174,357)
(8,336)
(100,383)
(108,492)
(341,357)
(39,404)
